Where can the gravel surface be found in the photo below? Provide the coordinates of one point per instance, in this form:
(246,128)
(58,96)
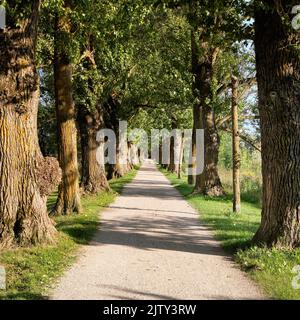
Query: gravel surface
(151,245)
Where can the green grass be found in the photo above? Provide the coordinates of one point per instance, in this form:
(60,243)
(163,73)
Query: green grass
(270,268)
(31,271)
(251,184)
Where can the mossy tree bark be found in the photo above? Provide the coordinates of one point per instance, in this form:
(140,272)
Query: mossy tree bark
(278,77)
(69,195)
(24,179)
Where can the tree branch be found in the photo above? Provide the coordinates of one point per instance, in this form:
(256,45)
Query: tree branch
(248,82)
(244,138)
(227,118)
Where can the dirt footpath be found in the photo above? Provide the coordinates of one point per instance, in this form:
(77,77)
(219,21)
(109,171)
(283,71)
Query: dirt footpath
(151,245)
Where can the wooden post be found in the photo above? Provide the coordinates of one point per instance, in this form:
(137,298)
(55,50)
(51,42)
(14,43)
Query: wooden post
(181,156)
(236,154)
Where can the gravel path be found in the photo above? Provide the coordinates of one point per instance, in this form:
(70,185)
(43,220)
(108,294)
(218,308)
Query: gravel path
(151,245)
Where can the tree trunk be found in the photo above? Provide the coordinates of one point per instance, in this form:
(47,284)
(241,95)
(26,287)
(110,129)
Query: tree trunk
(181,154)
(173,166)
(90,116)
(69,196)
(160,154)
(192,160)
(118,169)
(161,160)
(133,155)
(236,154)
(93,177)
(24,179)
(278,77)
(207,183)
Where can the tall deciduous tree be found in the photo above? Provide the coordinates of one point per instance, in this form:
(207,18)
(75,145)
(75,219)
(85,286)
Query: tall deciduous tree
(278,76)
(215,26)
(174,147)
(204,55)
(26,178)
(93,175)
(121,166)
(90,117)
(68,198)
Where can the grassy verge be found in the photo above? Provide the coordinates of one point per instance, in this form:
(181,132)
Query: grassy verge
(30,271)
(271,269)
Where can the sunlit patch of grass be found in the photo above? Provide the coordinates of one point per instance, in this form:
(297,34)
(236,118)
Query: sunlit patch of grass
(270,268)
(273,270)
(234,230)
(251,184)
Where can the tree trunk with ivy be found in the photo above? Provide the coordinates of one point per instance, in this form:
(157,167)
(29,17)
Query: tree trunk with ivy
(68,200)
(25,181)
(278,77)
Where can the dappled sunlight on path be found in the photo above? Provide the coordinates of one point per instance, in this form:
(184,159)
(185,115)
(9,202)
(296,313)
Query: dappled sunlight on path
(151,245)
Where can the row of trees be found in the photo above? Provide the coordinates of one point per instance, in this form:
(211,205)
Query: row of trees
(217,27)
(163,64)
(222,72)
(75,59)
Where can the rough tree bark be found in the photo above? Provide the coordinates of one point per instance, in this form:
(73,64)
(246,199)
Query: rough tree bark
(69,195)
(236,154)
(133,158)
(209,182)
(93,176)
(160,160)
(25,181)
(278,76)
(181,155)
(118,169)
(90,118)
(192,160)
(173,166)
